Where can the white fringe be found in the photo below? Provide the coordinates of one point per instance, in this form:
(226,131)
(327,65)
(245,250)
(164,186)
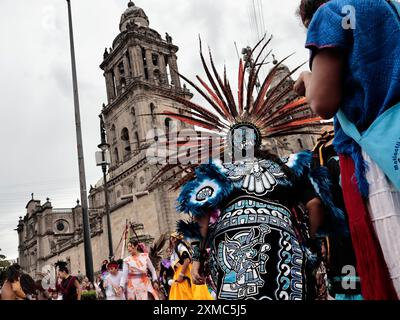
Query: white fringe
(384,207)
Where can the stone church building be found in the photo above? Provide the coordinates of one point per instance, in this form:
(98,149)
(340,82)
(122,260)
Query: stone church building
(139,65)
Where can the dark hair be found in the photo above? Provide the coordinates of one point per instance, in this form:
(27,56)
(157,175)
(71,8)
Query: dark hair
(307,8)
(113,262)
(120,263)
(39,285)
(134,243)
(13,273)
(62,266)
(28,285)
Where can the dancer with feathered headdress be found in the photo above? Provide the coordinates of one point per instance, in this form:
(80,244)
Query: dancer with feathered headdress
(246,204)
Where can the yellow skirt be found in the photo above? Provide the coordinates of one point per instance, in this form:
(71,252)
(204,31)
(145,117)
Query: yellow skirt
(186,290)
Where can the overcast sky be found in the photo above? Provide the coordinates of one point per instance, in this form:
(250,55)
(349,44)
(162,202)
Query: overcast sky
(38,132)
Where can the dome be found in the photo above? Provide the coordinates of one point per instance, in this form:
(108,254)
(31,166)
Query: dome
(133,14)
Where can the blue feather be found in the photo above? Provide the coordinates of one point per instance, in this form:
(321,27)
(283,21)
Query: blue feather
(300,162)
(337,225)
(207,175)
(189,229)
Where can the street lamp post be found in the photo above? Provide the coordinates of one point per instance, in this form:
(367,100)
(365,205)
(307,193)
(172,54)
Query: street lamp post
(103,163)
(81,163)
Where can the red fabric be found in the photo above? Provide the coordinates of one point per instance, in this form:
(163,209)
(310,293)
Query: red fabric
(371,267)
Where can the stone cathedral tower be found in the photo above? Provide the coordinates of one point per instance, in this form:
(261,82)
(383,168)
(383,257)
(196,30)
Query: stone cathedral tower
(139,65)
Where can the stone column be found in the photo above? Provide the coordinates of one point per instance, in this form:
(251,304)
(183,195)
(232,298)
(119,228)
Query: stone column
(163,69)
(173,69)
(117,79)
(137,61)
(109,85)
(127,69)
(150,67)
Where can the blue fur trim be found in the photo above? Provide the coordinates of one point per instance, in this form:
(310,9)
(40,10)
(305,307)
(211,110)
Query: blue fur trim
(300,162)
(189,229)
(207,175)
(336,224)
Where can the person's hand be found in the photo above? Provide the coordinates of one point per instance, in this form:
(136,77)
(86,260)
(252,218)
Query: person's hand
(156,286)
(195,272)
(180,278)
(302,83)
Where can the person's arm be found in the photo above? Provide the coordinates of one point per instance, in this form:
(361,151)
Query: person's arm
(153,272)
(316,215)
(152,269)
(78,289)
(308,196)
(195,272)
(323,87)
(16,286)
(185,265)
(124,276)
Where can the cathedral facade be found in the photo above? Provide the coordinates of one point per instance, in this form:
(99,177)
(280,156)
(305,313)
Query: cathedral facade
(140,66)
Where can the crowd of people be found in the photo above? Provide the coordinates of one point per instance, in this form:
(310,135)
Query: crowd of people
(132,278)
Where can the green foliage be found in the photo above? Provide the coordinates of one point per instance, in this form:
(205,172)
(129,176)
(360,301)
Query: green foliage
(89,295)
(4,264)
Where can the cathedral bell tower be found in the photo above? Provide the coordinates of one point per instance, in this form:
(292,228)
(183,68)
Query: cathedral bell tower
(138,67)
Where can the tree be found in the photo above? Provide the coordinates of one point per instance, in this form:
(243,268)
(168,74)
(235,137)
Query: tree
(4,264)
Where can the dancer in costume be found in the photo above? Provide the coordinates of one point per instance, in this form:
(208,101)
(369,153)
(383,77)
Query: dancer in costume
(68,286)
(166,277)
(246,204)
(355,63)
(134,275)
(182,287)
(112,282)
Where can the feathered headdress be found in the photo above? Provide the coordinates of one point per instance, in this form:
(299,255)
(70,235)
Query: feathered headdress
(263,112)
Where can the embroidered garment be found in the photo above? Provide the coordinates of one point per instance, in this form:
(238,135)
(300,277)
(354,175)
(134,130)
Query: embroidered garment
(255,242)
(136,279)
(112,286)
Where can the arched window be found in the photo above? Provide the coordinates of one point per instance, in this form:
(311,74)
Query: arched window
(116,156)
(133,115)
(126,142)
(168,125)
(154,57)
(113,136)
(153,112)
(123,84)
(157,76)
(137,140)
